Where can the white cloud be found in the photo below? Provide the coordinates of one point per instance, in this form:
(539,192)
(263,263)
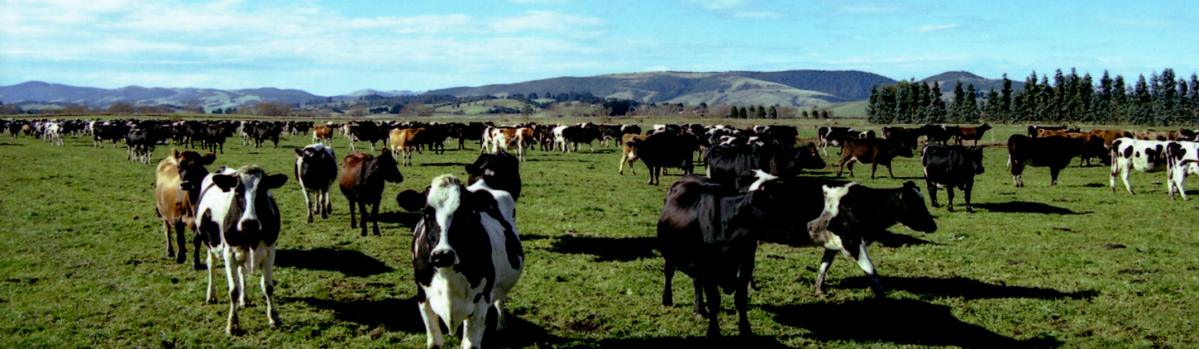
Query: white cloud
(866,9)
(545,21)
(758,15)
(722,5)
(928,28)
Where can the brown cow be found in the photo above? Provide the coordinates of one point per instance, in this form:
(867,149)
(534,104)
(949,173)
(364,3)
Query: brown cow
(405,140)
(629,151)
(1110,135)
(176,190)
(502,138)
(1151,135)
(322,134)
(1092,145)
(971,133)
(361,181)
(872,151)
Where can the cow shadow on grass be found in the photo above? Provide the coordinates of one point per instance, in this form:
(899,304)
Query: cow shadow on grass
(347,262)
(926,287)
(607,249)
(898,321)
(403,315)
(694,342)
(407,219)
(11,144)
(1025,207)
(893,240)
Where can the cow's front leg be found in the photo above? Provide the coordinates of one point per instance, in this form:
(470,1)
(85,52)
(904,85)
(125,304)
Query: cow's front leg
(825,263)
(712,291)
(363,213)
(667,293)
(474,326)
(932,194)
(234,293)
(868,267)
(375,218)
(268,288)
(949,193)
(433,336)
(210,298)
(166,230)
(699,298)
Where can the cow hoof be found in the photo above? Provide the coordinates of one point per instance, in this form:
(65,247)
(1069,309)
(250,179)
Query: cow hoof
(309,219)
(210,301)
(950,208)
(198,266)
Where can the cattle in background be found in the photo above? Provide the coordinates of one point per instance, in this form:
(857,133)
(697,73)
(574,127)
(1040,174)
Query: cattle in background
(140,146)
(1034,131)
(1151,135)
(109,131)
(1093,146)
(661,150)
(630,129)
(569,137)
(362,182)
(736,165)
(176,191)
(785,136)
(629,151)
(853,216)
(831,136)
(53,133)
(466,257)
(503,138)
(1052,152)
(949,167)
(470,131)
(907,137)
(316,169)
(1109,136)
(241,221)
(266,131)
(607,133)
(214,134)
(433,136)
(939,133)
(971,133)
(1183,160)
(322,134)
(366,131)
(667,128)
(1187,135)
(405,141)
(500,170)
(1133,154)
(871,151)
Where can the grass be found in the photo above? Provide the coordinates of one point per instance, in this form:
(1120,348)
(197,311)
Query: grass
(1073,266)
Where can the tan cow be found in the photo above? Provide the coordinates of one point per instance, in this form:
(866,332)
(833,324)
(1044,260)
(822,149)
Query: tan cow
(404,140)
(177,188)
(629,151)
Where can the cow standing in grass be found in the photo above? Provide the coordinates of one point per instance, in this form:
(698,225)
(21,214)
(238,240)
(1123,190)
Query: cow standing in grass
(176,191)
(316,169)
(362,182)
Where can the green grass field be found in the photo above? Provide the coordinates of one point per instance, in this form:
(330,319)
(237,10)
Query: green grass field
(83,263)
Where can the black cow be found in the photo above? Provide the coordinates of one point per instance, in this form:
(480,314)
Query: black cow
(500,170)
(140,145)
(939,133)
(1053,152)
(735,165)
(906,137)
(316,169)
(783,135)
(574,135)
(265,131)
(367,131)
(666,149)
(630,129)
(951,167)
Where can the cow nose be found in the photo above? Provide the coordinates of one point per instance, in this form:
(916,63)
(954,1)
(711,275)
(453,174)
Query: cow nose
(249,224)
(442,259)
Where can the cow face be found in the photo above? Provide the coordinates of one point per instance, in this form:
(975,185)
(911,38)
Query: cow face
(250,185)
(385,165)
(191,169)
(976,159)
(451,222)
(913,212)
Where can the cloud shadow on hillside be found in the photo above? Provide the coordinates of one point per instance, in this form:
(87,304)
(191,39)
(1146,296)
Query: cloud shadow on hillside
(1025,207)
(607,249)
(961,287)
(898,321)
(348,262)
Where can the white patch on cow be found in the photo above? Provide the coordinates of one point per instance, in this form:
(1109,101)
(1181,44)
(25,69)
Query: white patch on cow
(763,177)
(250,181)
(445,194)
(832,201)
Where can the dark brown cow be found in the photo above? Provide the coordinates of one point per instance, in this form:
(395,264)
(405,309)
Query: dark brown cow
(871,151)
(1093,146)
(1052,152)
(176,191)
(971,133)
(361,181)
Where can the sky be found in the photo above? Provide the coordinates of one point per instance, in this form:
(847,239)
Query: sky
(337,47)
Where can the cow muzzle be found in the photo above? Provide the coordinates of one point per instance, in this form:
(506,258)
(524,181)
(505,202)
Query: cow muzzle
(249,225)
(443,258)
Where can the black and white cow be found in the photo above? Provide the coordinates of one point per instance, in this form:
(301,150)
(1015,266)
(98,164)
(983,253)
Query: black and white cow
(466,257)
(831,135)
(1133,154)
(949,167)
(239,220)
(316,170)
(853,216)
(1183,160)
(735,165)
(500,170)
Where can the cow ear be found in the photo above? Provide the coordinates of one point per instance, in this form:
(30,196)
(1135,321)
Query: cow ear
(472,169)
(299,153)
(175,153)
(226,181)
(207,159)
(411,201)
(274,181)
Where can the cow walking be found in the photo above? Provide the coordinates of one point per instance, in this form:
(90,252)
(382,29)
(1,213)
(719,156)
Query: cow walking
(949,167)
(176,192)
(316,170)
(362,182)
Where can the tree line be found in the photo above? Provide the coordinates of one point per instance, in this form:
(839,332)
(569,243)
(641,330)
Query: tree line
(1161,100)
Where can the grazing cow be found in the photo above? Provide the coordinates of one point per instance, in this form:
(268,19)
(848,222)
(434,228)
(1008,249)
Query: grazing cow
(833,136)
(364,131)
(1151,135)
(1133,154)
(322,134)
(176,191)
(466,257)
(405,140)
(949,167)
(1052,152)
(316,169)
(628,149)
(1034,131)
(971,133)
(871,151)
(666,149)
(361,181)
(906,137)
(241,221)
(500,170)
(1183,160)
(735,165)
(939,133)
(853,215)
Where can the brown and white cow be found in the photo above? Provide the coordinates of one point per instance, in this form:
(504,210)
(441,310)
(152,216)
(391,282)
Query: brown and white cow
(629,151)
(362,182)
(504,138)
(176,191)
(871,151)
(322,134)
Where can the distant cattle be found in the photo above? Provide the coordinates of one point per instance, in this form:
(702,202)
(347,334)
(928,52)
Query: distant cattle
(630,129)
(1133,154)
(366,131)
(907,137)
(939,133)
(854,215)
(629,151)
(362,182)
(784,136)
(971,134)
(871,151)
(831,136)
(949,167)
(1151,135)
(471,131)
(504,138)
(266,131)
(405,141)
(735,165)
(316,170)
(466,257)
(1183,158)
(500,170)
(140,146)
(1034,131)
(666,149)
(1093,146)
(568,138)
(1052,152)
(322,134)
(1110,135)
(176,191)
(241,221)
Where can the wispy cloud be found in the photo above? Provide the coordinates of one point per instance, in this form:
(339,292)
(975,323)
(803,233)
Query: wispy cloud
(866,9)
(928,28)
(722,5)
(759,15)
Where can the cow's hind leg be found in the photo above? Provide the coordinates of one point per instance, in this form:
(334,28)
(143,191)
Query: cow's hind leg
(825,263)
(699,298)
(867,266)
(308,201)
(374,218)
(362,212)
(196,253)
(949,193)
(353,222)
(966,191)
(667,293)
(181,240)
(166,230)
(500,320)
(712,291)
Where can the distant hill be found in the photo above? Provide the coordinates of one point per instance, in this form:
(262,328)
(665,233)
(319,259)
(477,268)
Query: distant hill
(981,84)
(788,88)
(37,91)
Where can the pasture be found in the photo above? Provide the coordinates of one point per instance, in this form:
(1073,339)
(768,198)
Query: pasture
(83,262)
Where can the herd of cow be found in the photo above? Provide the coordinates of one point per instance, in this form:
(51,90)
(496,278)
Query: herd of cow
(466,251)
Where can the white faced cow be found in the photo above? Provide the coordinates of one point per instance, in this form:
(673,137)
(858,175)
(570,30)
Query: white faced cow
(1133,154)
(240,221)
(1183,158)
(466,257)
(316,170)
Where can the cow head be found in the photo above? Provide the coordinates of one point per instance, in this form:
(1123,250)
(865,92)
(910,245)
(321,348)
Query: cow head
(976,159)
(913,213)
(250,185)
(500,170)
(450,220)
(385,166)
(191,169)
(315,151)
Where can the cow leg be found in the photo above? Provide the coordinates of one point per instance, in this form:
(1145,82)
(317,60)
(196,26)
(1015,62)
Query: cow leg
(667,292)
(234,292)
(741,300)
(166,230)
(850,166)
(181,240)
(1053,175)
(1124,176)
(949,193)
(712,291)
(474,327)
(867,266)
(623,159)
(932,193)
(268,288)
(825,263)
(501,319)
(325,205)
(362,213)
(433,336)
(353,223)
(874,168)
(966,190)
(210,297)
(375,218)
(308,202)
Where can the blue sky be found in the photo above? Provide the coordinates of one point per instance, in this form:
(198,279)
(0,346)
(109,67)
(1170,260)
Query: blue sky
(336,47)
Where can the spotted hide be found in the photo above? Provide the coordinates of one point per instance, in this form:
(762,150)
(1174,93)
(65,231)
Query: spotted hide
(1133,154)
(316,170)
